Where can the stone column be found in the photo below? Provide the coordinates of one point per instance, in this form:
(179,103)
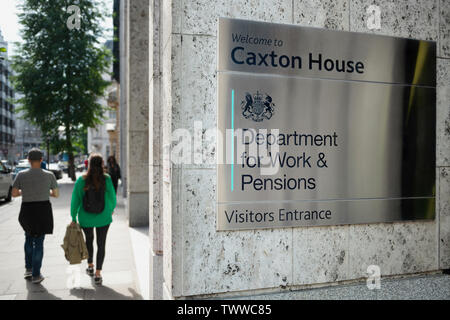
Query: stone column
(137,113)
(124,6)
(165,139)
(155,210)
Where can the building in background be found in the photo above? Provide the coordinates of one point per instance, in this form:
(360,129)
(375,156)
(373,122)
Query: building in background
(113,128)
(7,117)
(104,138)
(27,137)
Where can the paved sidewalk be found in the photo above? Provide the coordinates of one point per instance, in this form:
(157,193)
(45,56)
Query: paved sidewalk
(119,275)
(415,287)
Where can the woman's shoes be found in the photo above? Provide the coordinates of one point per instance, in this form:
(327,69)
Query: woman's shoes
(90,271)
(98,280)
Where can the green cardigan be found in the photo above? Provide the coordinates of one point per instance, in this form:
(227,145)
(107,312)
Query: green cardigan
(86,219)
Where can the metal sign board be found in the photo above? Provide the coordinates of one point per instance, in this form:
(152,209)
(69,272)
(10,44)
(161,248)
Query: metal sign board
(323,127)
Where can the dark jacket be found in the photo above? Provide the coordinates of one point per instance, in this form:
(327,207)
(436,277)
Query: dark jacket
(36,218)
(114,172)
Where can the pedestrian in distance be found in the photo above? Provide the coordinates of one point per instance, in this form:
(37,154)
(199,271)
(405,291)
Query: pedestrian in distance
(114,171)
(35,186)
(93,203)
(44,165)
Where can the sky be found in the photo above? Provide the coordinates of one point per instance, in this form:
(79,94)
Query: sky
(9,23)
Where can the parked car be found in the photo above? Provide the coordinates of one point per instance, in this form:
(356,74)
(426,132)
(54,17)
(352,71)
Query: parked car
(6,164)
(54,167)
(81,167)
(6,181)
(64,166)
(20,167)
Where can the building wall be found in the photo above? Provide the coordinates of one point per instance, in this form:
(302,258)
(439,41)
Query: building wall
(198,260)
(124,88)
(99,138)
(27,137)
(137,112)
(7,117)
(116,134)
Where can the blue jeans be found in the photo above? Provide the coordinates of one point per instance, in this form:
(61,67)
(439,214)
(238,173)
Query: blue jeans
(34,252)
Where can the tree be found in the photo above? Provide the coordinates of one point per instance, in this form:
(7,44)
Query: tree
(59,70)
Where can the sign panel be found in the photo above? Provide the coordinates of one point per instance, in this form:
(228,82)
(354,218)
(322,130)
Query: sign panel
(259,47)
(312,146)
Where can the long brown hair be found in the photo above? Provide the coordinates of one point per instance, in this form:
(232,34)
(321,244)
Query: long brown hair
(95,176)
(111,161)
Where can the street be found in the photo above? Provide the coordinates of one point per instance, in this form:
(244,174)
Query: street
(63,281)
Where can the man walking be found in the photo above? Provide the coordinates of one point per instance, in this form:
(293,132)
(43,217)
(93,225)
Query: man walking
(35,185)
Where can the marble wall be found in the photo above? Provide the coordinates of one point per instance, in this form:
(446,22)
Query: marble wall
(137,109)
(124,78)
(200,261)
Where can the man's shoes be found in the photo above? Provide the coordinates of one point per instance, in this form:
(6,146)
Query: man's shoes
(38,279)
(446,271)
(28,274)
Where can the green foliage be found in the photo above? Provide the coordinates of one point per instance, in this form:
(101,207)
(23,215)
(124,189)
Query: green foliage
(60,71)
(56,146)
(80,143)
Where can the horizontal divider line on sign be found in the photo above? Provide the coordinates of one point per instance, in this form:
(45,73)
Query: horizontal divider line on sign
(323,200)
(261,74)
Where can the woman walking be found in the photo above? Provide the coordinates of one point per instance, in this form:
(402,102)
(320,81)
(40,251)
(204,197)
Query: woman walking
(114,171)
(93,202)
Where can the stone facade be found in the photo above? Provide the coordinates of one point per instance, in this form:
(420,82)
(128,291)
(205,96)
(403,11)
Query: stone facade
(139,48)
(123,94)
(199,261)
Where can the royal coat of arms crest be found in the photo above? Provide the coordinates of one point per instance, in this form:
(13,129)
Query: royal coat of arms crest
(257,107)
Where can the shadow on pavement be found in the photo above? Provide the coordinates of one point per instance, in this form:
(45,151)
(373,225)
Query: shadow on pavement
(39,292)
(3,202)
(104,293)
